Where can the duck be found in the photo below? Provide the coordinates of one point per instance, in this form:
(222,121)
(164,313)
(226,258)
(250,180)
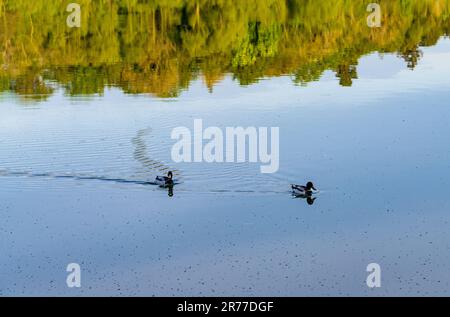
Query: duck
(165,181)
(300,190)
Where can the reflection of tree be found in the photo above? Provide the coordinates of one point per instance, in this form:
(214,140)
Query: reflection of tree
(346,74)
(30,86)
(259,43)
(412,57)
(160,46)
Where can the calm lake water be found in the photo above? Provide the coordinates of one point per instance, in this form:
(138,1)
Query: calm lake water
(73,168)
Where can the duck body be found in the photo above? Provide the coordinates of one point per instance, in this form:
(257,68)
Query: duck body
(300,190)
(165,181)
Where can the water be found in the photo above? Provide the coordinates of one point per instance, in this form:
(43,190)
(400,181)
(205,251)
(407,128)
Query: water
(76,175)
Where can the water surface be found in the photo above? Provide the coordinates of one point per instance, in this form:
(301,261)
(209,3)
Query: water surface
(75,167)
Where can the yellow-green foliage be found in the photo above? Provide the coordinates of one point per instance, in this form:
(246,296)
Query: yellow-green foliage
(159,46)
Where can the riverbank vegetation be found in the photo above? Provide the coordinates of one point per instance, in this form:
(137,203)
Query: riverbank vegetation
(159,46)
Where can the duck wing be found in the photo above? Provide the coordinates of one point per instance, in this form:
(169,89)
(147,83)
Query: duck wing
(161,180)
(299,188)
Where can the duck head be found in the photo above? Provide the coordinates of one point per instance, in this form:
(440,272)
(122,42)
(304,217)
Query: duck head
(310,186)
(170,175)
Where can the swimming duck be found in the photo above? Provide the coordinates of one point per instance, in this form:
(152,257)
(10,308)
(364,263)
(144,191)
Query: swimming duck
(165,181)
(300,190)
